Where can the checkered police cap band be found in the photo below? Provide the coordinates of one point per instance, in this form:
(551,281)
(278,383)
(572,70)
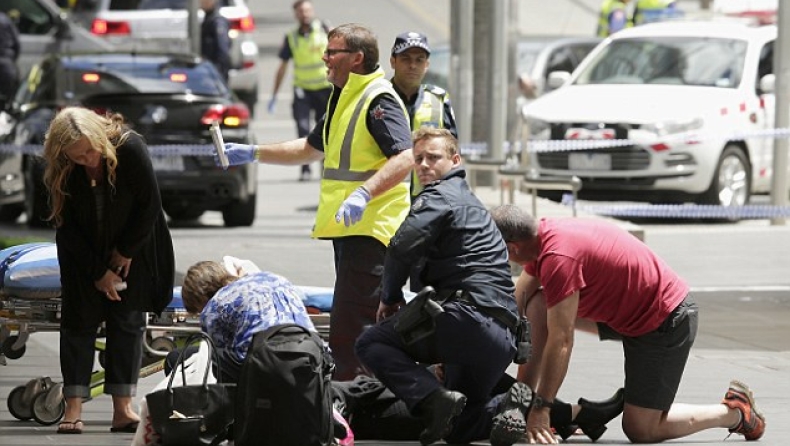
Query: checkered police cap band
(408,40)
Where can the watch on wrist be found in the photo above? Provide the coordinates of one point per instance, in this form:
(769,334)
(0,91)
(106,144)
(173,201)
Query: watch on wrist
(538,402)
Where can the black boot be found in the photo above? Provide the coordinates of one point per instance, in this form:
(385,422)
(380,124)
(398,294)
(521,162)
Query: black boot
(560,419)
(438,411)
(594,415)
(510,423)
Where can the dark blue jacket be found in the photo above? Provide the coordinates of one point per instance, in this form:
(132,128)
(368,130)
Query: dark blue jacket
(215,42)
(454,233)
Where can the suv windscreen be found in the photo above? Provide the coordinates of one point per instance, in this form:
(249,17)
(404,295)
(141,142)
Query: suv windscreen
(669,60)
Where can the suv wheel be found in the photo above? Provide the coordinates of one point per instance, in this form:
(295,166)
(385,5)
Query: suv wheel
(9,213)
(240,213)
(36,196)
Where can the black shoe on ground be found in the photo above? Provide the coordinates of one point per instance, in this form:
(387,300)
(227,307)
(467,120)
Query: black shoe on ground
(510,424)
(438,411)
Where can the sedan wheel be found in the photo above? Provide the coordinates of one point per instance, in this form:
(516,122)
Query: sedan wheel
(731,183)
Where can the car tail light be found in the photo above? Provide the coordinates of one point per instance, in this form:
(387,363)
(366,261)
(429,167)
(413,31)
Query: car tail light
(91,78)
(235,115)
(244,24)
(248,64)
(179,78)
(103,27)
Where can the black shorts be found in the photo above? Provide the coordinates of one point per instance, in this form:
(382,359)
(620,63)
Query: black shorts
(654,362)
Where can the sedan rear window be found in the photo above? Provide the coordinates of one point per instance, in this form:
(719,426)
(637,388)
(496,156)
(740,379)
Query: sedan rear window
(126,5)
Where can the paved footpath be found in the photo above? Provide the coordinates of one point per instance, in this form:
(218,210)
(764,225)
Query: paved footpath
(746,340)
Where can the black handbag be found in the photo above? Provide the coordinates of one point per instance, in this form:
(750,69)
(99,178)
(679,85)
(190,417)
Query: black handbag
(193,415)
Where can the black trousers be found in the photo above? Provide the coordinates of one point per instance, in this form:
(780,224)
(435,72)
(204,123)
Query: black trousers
(359,265)
(474,348)
(123,353)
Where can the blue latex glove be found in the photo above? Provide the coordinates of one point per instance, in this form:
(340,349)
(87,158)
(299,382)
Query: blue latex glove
(237,154)
(352,208)
(270,106)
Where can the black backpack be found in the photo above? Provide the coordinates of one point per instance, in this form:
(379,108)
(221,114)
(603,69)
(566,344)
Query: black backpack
(284,395)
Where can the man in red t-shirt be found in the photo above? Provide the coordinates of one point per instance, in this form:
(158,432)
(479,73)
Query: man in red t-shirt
(598,278)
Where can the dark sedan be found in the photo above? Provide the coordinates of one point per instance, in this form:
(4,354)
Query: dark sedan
(170,99)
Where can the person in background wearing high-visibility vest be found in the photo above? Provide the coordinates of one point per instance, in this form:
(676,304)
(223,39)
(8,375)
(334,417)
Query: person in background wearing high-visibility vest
(305,45)
(613,17)
(365,142)
(648,11)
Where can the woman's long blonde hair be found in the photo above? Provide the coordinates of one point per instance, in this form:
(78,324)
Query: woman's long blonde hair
(105,134)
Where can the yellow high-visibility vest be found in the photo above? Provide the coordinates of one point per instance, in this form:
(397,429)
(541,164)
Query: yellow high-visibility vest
(351,156)
(307,51)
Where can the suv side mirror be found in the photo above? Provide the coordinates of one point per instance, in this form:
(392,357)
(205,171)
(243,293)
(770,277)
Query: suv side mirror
(768,84)
(557,79)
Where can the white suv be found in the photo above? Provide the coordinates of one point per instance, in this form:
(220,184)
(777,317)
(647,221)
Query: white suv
(162,25)
(675,96)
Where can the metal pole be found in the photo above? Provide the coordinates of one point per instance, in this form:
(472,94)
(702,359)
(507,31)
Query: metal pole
(497,79)
(193,25)
(779,190)
(462,62)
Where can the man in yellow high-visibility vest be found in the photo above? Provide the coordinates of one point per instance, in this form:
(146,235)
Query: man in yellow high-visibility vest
(365,142)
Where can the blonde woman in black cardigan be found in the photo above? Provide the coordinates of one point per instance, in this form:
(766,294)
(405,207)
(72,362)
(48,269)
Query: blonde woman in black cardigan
(110,229)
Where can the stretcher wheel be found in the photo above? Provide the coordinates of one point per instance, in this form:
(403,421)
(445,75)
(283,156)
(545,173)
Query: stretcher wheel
(163,344)
(49,406)
(8,350)
(19,408)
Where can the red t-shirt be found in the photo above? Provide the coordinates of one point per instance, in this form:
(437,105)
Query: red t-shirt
(621,282)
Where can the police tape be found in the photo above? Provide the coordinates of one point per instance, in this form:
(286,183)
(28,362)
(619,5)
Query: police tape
(669,211)
(155,150)
(685,211)
(480,149)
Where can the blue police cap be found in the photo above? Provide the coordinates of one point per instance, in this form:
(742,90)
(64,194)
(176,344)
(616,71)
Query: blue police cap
(407,40)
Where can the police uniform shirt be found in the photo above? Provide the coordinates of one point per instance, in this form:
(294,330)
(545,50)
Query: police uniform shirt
(411,104)
(385,122)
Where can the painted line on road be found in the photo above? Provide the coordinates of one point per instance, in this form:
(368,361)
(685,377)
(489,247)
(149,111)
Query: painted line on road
(741,289)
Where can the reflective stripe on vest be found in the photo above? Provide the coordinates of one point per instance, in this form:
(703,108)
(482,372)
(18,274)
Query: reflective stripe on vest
(343,171)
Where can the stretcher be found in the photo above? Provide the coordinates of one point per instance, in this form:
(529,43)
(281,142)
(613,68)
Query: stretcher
(30,302)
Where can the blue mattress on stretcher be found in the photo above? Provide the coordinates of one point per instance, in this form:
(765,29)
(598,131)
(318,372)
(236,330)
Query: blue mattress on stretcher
(31,270)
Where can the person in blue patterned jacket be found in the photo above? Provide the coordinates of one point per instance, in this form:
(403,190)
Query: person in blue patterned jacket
(233,309)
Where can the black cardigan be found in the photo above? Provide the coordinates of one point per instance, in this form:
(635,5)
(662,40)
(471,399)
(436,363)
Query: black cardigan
(134,224)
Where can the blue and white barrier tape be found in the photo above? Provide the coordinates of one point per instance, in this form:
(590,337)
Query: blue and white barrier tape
(478,149)
(156,150)
(682,211)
